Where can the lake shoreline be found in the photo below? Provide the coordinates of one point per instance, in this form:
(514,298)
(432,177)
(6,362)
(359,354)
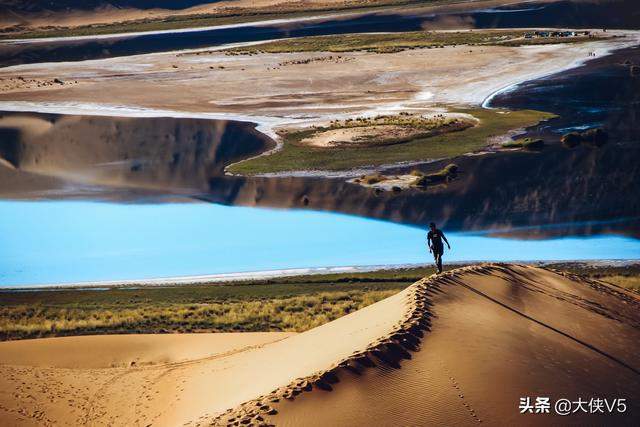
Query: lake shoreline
(225,279)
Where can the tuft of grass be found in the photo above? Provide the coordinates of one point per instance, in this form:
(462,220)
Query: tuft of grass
(443,175)
(297,156)
(526,143)
(372,179)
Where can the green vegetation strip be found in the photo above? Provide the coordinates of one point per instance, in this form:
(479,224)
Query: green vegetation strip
(396,42)
(287,304)
(296,156)
(625,276)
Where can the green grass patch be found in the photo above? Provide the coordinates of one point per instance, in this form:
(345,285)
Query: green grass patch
(296,156)
(625,276)
(531,144)
(402,119)
(396,42)
(286,304)
(551,40)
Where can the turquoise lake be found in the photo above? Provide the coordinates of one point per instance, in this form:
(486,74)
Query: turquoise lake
(47,242)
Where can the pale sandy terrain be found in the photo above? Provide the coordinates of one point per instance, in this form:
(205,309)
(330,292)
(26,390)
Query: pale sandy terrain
(260,88)
(458,349)
(382,134)
(356,135)
(123,351)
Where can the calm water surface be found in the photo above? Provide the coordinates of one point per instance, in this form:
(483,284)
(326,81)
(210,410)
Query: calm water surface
(558,14)
(59,242)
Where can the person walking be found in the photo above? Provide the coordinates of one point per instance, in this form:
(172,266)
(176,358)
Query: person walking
(434,241)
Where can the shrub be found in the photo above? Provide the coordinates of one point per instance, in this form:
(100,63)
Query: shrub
(512,144)
(373,179)
(527,144)
(443,175)
(451,169)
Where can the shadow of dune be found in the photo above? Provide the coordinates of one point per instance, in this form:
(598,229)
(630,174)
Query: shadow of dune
(486,347)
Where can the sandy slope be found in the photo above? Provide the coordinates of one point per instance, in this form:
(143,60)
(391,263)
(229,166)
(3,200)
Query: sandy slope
(459,349)
(110,351)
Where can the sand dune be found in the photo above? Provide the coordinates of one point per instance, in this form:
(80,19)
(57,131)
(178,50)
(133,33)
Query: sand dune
(109,351)
(458,349)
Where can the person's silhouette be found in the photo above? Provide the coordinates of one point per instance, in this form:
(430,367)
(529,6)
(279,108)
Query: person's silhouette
(434,241)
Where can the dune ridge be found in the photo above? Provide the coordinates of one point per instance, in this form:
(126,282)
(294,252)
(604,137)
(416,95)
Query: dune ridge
(406,340)
(389,350)
(459,348)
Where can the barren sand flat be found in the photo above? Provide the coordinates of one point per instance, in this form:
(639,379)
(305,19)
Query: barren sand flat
(103,380)
(107,351)
(184,392)
(458,349)
(286,89)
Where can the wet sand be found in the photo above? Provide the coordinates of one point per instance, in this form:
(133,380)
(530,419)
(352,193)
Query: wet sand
(460,348)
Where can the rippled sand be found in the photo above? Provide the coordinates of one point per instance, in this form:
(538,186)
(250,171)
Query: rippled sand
(457,349)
